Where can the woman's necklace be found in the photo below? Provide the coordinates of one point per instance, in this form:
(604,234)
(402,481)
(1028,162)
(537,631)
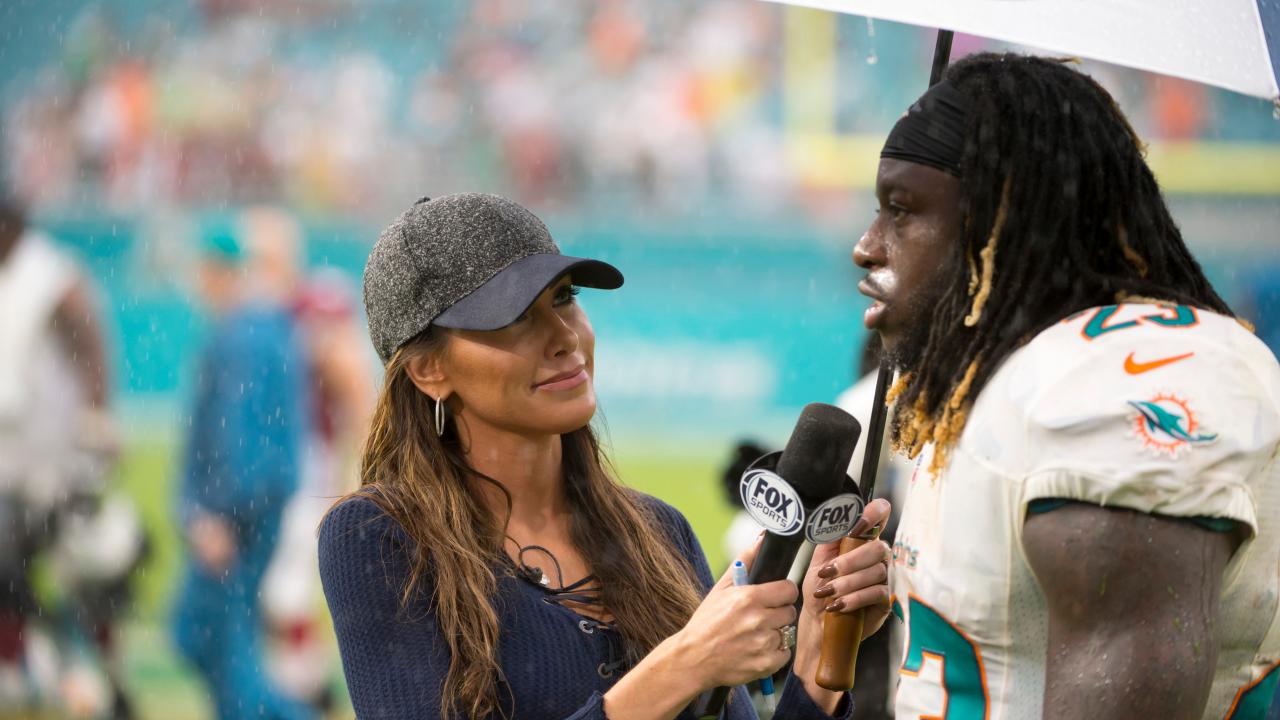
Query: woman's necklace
(534,573)
(582,597)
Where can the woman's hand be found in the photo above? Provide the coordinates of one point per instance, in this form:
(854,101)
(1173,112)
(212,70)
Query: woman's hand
(854,580)
(845,583)
(732,638)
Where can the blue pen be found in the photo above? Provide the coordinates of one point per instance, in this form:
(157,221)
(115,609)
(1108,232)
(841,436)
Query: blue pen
(766,682)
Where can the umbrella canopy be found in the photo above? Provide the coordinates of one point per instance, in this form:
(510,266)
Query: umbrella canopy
(1234,44)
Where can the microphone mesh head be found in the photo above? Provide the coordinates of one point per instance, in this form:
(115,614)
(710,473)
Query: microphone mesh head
(817,456)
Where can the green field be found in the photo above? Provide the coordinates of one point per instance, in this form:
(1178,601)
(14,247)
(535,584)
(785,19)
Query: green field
(163,686)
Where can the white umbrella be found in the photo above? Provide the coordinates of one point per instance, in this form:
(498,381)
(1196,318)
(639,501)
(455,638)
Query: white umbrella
(1234,44)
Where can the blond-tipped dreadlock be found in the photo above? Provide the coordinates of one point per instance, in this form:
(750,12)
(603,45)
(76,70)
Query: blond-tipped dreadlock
(1130,254)
(921,429)
(1083,221)
(981,290)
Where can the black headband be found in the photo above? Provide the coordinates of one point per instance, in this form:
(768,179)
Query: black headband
(932,131)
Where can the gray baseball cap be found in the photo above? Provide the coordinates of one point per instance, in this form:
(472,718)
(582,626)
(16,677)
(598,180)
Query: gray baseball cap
(467,261)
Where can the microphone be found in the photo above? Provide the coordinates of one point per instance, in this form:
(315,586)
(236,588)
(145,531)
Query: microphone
(805,482)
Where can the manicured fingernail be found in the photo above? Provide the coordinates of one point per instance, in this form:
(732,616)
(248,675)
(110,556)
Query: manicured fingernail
(860,528)
(836,605)
(828,571)
(825,591)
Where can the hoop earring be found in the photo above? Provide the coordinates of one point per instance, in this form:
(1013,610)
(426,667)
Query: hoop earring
(440,417)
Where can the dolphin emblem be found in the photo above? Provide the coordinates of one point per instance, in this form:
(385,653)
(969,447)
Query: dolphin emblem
(1157,418)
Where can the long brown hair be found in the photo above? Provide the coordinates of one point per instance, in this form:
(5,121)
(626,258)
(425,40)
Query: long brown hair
(422,481)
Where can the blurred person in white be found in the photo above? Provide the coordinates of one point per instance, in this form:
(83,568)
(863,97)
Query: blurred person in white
(340,399)
(58,441)
(241,466)
(879,655)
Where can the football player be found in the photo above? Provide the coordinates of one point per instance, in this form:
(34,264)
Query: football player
(1091,529)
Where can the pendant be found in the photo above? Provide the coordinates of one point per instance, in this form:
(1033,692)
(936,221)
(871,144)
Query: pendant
(536,575)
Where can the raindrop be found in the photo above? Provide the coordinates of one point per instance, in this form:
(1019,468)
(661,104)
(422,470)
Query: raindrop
(872,58)
(1275,112)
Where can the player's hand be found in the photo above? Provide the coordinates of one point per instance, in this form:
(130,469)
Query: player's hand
(213,543)
(733,636)
(857,579)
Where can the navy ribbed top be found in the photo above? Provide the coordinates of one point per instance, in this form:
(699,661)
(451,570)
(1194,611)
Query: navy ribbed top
(557,663)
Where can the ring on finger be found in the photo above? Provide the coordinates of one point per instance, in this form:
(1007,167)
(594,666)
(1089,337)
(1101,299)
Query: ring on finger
(787,637)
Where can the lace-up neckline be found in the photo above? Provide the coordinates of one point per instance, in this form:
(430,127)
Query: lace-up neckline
(582,597)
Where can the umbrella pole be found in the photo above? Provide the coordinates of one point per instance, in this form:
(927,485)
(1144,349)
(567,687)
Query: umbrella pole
(875,428)
(941,56)
(842,634)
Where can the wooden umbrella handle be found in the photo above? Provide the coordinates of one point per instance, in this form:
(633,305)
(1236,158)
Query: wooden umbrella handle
(842,634)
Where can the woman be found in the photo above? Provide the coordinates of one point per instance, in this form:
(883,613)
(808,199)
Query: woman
(490,565)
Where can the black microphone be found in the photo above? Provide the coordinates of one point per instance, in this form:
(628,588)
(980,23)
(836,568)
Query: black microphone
(812,469)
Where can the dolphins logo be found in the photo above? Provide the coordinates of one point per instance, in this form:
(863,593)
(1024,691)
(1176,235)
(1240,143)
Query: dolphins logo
(1167,425)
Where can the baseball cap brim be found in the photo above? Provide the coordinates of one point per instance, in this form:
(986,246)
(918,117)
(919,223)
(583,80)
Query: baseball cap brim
(504,298)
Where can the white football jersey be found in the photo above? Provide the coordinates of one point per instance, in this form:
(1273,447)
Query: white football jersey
(39,388)
(1158,408)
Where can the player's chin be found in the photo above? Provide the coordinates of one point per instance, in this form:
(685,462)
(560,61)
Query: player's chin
(891,333)
(902,350)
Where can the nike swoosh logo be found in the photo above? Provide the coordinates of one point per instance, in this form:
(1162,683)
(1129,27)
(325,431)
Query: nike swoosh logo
(1134,367)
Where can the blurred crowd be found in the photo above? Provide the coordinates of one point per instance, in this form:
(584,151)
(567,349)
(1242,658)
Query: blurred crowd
(650,105)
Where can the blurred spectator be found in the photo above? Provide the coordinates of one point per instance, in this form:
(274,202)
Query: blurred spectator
(57,443)
(660,105)
(241,468)
(340,389)
(1178,107)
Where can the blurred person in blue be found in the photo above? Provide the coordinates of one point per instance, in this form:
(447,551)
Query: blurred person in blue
(241,467)
(58,441)
(491,564)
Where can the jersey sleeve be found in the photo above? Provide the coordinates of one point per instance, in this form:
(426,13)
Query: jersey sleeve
(1159,421)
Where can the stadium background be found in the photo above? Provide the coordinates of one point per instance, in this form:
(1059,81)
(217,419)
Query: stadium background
(720,152)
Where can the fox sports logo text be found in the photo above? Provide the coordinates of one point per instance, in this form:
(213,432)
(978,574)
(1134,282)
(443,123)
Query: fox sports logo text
(833,519)
(772,502)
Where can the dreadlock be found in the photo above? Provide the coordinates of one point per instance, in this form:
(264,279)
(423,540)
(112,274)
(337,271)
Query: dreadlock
(1053,176)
